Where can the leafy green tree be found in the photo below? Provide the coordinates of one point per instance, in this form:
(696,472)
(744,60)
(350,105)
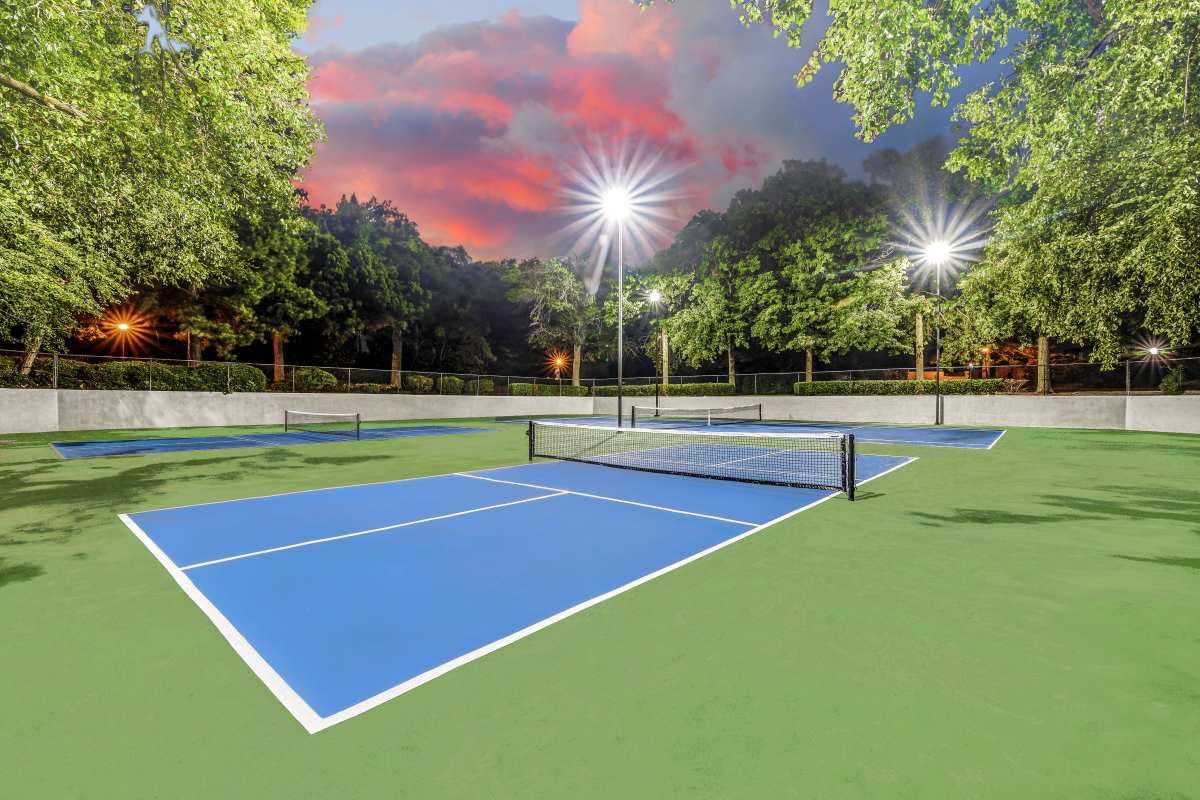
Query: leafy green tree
(381,277)
(719,312)
(1091,136)
(140,166)
(562,312)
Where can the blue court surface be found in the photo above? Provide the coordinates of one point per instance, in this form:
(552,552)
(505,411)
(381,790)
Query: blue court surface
(132,447)
(341,599)
(939,436)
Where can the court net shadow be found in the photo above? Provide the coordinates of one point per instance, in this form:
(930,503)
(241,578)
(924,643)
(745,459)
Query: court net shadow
(1166,561)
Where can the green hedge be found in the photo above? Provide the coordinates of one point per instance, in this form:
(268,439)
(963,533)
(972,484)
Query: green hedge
(548,390)
(451,385)
(135,375)
(968,386)
(375,388)
(313,379)
(481,386)
(421,384)
(671,390)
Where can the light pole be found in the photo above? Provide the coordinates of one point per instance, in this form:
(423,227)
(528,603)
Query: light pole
(937,253)
(655,297)
(616,206)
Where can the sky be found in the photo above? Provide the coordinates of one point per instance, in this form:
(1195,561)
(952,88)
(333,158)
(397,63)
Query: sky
(468,114)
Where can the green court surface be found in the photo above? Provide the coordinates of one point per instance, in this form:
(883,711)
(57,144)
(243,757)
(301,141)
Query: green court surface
(1022,622)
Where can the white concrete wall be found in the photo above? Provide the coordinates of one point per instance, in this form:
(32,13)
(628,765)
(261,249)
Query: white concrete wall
(33,410)
(28,410)
(1035,411)
(1178,414)
(39,410)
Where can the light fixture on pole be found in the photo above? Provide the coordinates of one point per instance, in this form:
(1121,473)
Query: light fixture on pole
(624,187)
(655,297)
(617,205)
(937,253)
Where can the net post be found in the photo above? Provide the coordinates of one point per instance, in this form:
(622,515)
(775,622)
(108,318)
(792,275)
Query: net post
(633,417)
(760,412)
(529,435)
(285,421)
(850,466)
(358,426)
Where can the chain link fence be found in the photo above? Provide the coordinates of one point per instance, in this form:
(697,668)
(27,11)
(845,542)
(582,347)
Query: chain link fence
(53,371)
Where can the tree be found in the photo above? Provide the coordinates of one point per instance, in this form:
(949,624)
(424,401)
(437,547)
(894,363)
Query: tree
(717,317)
(139,166)
(1091,137)
(562,312)
(384,260)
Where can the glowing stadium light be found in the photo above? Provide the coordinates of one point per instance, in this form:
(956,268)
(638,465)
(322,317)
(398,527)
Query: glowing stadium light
(126,330)
(625,193)
(655,296)
(937,253)
(557,363)
(1153,351)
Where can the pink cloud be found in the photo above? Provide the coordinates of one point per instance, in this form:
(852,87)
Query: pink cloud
(467,129)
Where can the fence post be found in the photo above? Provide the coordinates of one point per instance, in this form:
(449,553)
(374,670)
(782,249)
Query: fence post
(293,378)
(347,380)
(228,378)
(478,380)
(1128,380)
(150,376)
(508,385)
(756,383)
(55,371)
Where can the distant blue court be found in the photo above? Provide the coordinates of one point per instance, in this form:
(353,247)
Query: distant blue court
(928,436)
(341,599)
(131,447)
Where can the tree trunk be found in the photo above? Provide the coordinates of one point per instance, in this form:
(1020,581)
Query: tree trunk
(919,346)
(808,366)
(277,355)
(666,357)
(732,369)
(195,348)
(576,357)
(1043,364)
(397,352)
(32,346)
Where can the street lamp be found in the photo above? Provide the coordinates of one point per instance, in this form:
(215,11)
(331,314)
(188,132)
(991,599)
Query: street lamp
(655,297)
(937,253)
(616,205)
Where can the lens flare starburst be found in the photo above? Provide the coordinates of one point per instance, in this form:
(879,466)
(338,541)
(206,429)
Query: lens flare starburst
(627,185)
(941,237)
(126,331)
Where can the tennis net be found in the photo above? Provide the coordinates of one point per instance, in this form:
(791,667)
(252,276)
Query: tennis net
(812,460)
(694,417)
(344,425)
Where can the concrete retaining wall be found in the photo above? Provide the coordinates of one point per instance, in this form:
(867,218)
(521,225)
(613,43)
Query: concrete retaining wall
(28,410)
(34,410)
(39,410)
(1180,414)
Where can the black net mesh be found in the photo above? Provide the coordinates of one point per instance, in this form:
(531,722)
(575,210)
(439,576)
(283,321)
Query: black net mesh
(816,460)
(344,425)
(694,417)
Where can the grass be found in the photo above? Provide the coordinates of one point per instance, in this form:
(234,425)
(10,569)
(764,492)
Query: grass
(1014,623)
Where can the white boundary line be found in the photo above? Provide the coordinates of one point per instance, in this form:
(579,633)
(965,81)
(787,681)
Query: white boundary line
(366,532)
(611,499)
(301,710)
(998,438)
(466,658)
(314,723)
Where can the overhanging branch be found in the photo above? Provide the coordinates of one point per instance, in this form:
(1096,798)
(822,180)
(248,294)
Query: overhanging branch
(36,96)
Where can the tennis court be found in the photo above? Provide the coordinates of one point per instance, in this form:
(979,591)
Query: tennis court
(749,419)
(133,447)
(341,599)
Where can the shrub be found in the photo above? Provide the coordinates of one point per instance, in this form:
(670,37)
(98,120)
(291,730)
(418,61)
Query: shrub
(481,386)
(374,388)
(314,379)
(451,384)
(10,375)
(1173,382)
(671,390)
(548,390)
(226,378)
(421,384)
(969,386)
(121,375)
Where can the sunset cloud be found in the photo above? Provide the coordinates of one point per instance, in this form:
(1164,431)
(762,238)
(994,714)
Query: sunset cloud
(468,128)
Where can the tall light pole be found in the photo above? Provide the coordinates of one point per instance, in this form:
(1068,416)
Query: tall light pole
(937,253)
(616,205)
